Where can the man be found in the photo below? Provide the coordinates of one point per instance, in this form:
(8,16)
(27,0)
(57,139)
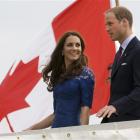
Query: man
(124,101)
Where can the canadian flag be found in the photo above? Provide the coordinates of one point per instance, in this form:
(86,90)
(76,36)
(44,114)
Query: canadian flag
(24,98)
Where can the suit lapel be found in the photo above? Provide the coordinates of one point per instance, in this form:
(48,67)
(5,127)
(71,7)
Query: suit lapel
(116,66)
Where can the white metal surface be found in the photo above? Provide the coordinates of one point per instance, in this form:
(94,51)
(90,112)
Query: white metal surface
(110,131)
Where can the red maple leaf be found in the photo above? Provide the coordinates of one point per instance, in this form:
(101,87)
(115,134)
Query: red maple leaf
(16,87)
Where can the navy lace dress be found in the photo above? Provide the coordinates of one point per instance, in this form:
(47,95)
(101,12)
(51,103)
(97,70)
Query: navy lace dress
(70,96)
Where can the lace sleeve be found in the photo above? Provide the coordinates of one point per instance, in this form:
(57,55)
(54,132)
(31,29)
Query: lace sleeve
(86,87)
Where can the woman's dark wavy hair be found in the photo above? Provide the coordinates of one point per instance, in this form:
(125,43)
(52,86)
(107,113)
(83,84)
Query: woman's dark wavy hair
(56,66)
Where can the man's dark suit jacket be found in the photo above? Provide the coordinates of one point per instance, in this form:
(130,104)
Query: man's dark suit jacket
(125,84)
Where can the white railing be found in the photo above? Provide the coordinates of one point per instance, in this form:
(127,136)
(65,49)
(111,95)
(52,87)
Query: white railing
(129,130)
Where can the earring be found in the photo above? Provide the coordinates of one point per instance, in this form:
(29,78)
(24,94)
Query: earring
(62,54)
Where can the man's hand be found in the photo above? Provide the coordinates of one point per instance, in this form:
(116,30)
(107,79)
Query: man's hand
(106,111)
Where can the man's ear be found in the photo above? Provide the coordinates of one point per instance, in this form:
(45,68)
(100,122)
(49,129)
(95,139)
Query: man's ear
(125,21)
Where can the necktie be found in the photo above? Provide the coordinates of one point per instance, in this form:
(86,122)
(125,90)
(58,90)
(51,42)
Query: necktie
(119,54)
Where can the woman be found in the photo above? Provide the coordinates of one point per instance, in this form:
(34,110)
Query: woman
(72,83)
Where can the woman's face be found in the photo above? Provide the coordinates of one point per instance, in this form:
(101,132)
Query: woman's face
(72,49)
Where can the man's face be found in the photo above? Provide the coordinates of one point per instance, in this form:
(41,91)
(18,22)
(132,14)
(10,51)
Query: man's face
(114,27)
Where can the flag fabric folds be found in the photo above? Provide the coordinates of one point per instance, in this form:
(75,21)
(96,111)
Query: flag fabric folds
(85,17)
